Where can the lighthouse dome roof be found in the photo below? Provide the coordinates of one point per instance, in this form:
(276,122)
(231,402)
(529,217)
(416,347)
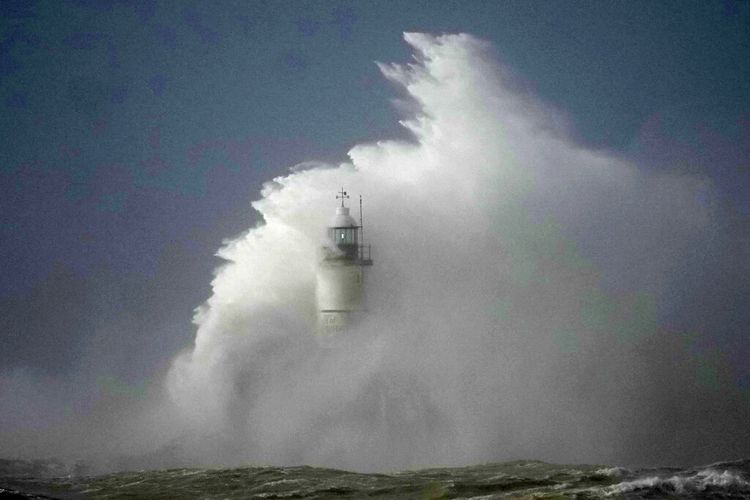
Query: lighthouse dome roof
(342,218)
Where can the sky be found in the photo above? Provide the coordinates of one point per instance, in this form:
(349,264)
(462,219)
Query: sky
(137,134)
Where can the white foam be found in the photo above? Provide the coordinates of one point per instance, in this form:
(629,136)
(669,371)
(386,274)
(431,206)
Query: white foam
(612,471)
(682,484)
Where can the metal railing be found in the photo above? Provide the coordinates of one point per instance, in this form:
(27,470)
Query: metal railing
(357,254)
(364,255)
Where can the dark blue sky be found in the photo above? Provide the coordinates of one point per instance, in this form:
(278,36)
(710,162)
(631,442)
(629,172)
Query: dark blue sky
(135,133)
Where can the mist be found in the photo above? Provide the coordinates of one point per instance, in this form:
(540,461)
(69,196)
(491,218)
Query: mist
(530,297)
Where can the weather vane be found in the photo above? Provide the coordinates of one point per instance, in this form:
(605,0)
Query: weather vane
(342,196)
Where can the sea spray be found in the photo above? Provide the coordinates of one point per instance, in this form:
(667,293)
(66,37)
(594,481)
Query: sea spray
(513,311)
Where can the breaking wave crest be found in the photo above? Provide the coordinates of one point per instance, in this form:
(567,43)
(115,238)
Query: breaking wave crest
(710,481)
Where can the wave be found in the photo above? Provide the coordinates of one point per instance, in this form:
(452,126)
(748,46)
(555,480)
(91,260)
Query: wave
(720,479)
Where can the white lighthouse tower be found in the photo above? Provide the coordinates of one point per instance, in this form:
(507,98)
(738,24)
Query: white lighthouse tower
(340,278)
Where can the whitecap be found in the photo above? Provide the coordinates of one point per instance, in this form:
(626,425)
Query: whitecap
(697,482)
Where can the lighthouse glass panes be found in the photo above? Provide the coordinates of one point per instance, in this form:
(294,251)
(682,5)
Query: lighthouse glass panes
(345,235)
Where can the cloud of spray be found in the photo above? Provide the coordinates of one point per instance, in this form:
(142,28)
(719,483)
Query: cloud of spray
(521,304)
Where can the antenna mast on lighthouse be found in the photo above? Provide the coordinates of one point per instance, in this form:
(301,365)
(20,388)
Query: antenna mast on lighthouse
(361,224)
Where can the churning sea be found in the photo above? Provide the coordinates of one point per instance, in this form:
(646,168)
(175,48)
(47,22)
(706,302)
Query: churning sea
(517,479)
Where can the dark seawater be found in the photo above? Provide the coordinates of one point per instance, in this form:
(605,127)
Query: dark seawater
(526,478)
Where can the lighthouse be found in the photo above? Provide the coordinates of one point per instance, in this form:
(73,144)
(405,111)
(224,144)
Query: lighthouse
(341,272)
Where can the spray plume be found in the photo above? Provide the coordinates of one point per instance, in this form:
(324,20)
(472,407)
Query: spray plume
(516,308)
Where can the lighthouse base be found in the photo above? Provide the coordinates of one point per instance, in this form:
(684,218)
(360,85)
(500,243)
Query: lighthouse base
(335,324)
(332,322)
(330,327)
